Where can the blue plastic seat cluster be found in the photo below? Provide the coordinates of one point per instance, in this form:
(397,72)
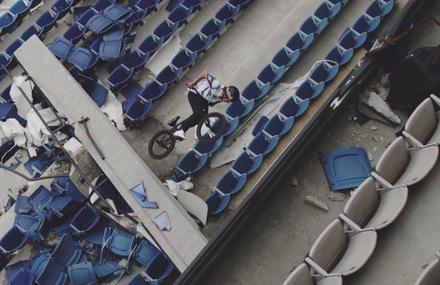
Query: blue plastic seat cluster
(138,107)
(94,262)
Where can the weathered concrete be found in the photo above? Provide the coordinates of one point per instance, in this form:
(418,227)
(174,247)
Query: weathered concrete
(121,163)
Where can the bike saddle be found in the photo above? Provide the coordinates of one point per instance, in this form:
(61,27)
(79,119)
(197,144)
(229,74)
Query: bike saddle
(173,121)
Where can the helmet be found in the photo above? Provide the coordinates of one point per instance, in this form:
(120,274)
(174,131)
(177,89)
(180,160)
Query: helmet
(235,93)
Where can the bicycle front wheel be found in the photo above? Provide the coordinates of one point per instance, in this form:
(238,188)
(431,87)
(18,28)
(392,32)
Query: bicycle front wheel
(161,144)
(211,127)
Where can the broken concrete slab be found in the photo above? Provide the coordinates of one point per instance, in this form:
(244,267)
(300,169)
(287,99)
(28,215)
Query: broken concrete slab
(373,106)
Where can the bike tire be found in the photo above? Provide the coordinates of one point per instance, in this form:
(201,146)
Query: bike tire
(217,129)
(162,140)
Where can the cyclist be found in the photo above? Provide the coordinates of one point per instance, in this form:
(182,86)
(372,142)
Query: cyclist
(204,91)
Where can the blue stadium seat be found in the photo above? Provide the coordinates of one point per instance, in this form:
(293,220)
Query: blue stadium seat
(279,125)
(255,90)
(285,57)
(299,41)
(180,14)
(150,44)
(213,28)
(366,23)
(327,10)
(271,73)
(217,202)
(169,75)
(227,13)
(324,71)
(246,163)
(339,54)
(231,182)
(313,25)
(165,29)
(153,90)
(352,39)
(294,106)
(199,43)
(309,89)
(184,59)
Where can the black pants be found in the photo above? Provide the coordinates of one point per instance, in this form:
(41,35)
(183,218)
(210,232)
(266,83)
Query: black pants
(199,107)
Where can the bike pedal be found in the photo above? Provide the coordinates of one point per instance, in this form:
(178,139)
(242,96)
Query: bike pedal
(173,121)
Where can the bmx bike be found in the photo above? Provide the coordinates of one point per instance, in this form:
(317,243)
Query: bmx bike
(209,129)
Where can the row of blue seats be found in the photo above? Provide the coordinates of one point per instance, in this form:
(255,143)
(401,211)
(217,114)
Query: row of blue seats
(139,57)
(279,124)
(137,109)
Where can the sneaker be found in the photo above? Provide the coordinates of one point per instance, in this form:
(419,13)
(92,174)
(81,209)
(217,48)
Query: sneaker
(179,134)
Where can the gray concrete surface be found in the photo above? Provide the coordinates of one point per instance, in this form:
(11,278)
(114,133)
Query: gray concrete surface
(282,234)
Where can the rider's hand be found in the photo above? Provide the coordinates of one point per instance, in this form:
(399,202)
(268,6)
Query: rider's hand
(190,85)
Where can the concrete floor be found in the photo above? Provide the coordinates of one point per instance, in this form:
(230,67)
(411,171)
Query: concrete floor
(282,234)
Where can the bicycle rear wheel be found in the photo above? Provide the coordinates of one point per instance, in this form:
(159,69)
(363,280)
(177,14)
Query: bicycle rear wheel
(161,144)
(211,127)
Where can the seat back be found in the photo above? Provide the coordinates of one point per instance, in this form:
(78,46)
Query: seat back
(363,204)
(227,13)
(159,268)
(339,54)
(85,219)
(213,28)
(82,274)
(330,246)
(47,271)
(254,91)
(150,44)
(245,164)
(145,252)
(208,147)
(66,252)
(13,240)
(199,43)
(299,276)
(121,243)
(231,183)
(422,123)
(191,162)
(393,162)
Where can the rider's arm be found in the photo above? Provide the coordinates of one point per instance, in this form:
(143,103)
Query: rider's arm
(197,79)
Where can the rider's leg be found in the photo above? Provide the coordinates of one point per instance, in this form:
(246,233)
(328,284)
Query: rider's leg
(199,107)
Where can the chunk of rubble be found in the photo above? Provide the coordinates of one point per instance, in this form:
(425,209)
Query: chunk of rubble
(316,202)
(374,107)
(294,181)
(337,196)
